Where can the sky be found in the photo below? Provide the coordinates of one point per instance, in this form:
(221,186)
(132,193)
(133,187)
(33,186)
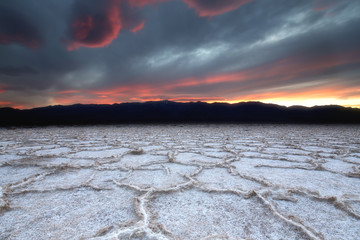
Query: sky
(287,52)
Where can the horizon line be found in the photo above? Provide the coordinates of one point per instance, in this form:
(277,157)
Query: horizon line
(207,102)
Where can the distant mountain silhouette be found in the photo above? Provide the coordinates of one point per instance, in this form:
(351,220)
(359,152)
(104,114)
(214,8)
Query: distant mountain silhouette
(174,112)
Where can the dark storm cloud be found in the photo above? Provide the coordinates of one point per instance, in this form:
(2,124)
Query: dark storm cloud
(205,8)
(202,46)
(17,71)
(16,28)
(321,5)
(142,3)
(178,49)
(96,23)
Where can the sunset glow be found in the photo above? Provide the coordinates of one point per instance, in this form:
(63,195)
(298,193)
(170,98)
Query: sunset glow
(92,32)
(114,51)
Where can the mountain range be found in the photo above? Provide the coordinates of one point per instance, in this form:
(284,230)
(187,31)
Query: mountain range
(175,112)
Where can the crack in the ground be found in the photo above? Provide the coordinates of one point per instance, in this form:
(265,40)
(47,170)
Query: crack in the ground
(183,175)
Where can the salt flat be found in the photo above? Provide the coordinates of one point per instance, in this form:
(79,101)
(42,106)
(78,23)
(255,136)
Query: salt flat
(180,182)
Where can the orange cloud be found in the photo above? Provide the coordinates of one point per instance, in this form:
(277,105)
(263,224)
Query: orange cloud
(138,27)
(84,99)
(66,92)
(5,104)
(96,30)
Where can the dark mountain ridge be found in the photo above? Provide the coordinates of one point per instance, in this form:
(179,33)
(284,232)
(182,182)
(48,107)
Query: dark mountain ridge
(175,112)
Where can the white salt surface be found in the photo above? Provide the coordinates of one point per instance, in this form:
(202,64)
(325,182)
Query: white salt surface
(180,182)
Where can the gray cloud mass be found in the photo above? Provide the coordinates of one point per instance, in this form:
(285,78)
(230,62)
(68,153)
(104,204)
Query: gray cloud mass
(177,48)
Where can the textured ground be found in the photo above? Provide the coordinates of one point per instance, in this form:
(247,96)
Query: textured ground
(180,182)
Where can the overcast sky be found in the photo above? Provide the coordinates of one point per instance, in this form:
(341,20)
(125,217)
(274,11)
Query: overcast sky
(287,52)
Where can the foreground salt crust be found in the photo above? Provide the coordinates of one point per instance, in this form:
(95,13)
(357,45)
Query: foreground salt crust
(180,182)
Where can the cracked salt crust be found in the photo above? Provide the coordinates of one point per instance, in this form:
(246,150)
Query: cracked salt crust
(66,214)
(100,154)
(12,175)
(219,178)
(340,226)
(197,214)
(180,182)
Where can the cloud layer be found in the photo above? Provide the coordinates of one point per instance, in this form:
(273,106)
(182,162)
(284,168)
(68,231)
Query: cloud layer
(15,28)
(209,8)
(107,51)
(94,24)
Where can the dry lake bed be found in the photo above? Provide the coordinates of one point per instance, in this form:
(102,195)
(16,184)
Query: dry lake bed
(180,182)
